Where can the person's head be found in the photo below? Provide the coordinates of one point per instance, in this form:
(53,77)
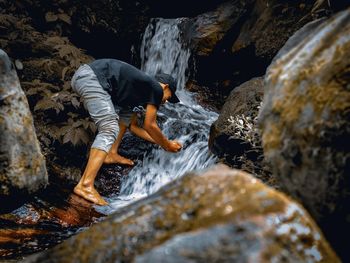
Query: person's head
(168,84)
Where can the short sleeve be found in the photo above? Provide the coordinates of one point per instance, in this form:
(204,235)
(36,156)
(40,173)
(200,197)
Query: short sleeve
(156,94)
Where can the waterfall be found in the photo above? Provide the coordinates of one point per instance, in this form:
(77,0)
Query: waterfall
(186,121)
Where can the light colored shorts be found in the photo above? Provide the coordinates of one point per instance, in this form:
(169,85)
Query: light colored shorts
(100,107)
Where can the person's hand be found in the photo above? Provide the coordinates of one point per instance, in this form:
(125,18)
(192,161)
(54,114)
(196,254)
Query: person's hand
(173,146)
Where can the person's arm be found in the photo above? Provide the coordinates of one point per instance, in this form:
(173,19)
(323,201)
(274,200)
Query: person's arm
(151,127)
(138,131)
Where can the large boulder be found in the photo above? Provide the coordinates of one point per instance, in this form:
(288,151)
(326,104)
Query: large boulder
(305,121)
(243,100)
(222,214)
(45,64)
(234,136)
(205,31)
(238,40)
(22,166)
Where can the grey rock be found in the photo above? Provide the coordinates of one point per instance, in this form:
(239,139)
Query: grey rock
(234,135)
(305,121)
(243,100)
(22,166)
(205,31)
(220,215)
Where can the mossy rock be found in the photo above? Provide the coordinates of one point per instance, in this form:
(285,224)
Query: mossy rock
(22,165)
(234,136)
(305,121)
(221,214)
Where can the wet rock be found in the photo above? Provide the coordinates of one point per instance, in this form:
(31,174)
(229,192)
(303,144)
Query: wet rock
(22,163)
(269,26)
(234,136)
(305,121)
(207,97)
(240,36)
(43,221)
(298,37)
(48,62)
(205,31)
(16,238)
(221,214)
(243,100)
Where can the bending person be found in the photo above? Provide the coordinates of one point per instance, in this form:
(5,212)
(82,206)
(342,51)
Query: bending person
(107,84)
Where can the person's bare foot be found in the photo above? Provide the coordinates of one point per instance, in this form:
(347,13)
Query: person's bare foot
(90,194)
(116,158)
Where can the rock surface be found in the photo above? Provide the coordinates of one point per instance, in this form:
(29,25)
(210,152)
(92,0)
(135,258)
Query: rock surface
(205,31)
(47,64)
(243,100)
(240,36)
(234,136)
(32,224)
(43,221)
(305,121)
(221,214)
(22,166)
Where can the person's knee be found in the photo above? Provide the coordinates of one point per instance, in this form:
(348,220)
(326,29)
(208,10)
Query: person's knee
(109,128)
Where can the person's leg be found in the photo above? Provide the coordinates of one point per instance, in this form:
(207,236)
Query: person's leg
(85,188)
(100,107)
(113,156)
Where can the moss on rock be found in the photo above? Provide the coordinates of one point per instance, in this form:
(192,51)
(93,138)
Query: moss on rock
(305,119)
(256,222)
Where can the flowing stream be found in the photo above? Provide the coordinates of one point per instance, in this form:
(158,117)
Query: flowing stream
(55,214)
(186,121)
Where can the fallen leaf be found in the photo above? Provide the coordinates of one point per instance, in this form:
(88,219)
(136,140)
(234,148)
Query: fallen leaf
(50,17)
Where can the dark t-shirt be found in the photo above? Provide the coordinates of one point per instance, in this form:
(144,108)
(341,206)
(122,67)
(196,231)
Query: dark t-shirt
(128,86)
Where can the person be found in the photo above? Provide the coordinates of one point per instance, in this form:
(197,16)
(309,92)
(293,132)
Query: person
(107,85)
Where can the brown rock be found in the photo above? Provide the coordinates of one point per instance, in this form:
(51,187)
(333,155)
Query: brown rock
(205,31)
(44,221)
(234,136)
(17,236)
(238,40)
(221,214)
(305,121)
(243,100)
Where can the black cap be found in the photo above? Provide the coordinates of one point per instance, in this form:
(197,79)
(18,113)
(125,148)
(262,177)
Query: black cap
(167,79)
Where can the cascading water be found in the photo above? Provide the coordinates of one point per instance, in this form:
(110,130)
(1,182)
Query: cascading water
(186,122)
(162,50)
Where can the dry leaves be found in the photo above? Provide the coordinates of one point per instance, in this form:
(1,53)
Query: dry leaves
(52,17)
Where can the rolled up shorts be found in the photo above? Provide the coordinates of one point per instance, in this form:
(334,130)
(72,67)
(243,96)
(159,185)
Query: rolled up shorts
(98,103)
